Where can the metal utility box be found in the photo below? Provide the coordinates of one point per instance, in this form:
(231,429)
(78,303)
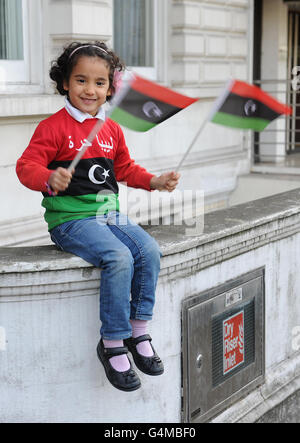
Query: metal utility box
(222,346)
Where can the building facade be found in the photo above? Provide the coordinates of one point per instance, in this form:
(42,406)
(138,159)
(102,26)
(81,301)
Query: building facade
(243,266)
(193,46)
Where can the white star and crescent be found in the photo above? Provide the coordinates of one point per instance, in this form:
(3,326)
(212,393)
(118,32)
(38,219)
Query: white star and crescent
(250,108)
(92,177)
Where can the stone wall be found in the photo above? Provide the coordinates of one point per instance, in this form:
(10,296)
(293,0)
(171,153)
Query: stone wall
(49,324)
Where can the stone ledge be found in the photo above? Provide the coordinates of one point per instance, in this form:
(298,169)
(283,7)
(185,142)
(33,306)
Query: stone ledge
(227,233)
(12,106)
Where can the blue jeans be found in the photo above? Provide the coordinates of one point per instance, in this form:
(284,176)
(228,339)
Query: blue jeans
(130,261)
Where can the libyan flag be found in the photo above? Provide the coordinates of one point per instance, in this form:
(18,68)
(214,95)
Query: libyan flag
(142,104)
(245,106)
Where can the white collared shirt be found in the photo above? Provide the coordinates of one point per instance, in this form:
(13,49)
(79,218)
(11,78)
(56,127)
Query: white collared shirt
(82,116)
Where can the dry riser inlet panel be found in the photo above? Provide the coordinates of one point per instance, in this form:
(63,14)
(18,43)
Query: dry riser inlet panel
(222,346)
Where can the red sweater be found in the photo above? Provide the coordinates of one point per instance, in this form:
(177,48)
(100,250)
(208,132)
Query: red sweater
(55,143)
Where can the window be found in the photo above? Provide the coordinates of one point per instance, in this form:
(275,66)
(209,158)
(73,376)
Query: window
(11,30)
(135,34)
(14,60)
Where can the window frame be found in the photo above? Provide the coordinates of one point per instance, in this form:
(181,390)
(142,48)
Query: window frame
(25,76)
(18,70)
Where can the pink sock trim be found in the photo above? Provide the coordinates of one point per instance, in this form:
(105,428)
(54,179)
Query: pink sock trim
(113,343)
(120,362)
(139,327)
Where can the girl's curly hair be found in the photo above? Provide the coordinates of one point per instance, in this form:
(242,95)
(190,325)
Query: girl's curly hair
(62,68)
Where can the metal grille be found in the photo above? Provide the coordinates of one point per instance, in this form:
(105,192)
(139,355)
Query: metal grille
(283,135)
(280,133)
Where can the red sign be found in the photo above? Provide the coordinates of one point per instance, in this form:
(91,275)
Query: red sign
(233,342)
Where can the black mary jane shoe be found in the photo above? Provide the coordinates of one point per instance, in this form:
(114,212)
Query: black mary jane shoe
(125,381)
(149,365)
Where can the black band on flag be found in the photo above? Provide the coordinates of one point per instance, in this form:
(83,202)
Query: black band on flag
(147,108)
(247,107)
(91,176)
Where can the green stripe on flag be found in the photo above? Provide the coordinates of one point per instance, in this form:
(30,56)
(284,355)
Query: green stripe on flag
(233,121)
(125,119)
(61,209)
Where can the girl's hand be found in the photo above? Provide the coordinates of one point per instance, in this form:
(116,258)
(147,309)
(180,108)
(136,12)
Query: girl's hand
(165,182)
(60,179)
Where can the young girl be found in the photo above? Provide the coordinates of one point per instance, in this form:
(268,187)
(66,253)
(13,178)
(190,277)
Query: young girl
(82,208)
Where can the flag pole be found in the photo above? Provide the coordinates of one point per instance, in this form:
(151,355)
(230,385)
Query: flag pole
(127,80)
(218,102)
(192,144)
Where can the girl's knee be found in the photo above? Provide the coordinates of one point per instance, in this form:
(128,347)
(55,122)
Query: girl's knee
(153,251)
(121,258)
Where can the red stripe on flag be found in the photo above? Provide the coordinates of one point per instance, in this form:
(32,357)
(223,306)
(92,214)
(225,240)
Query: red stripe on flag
(245,90)
(161,93)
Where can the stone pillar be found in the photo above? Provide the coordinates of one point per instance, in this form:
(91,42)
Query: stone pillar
(83,21)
